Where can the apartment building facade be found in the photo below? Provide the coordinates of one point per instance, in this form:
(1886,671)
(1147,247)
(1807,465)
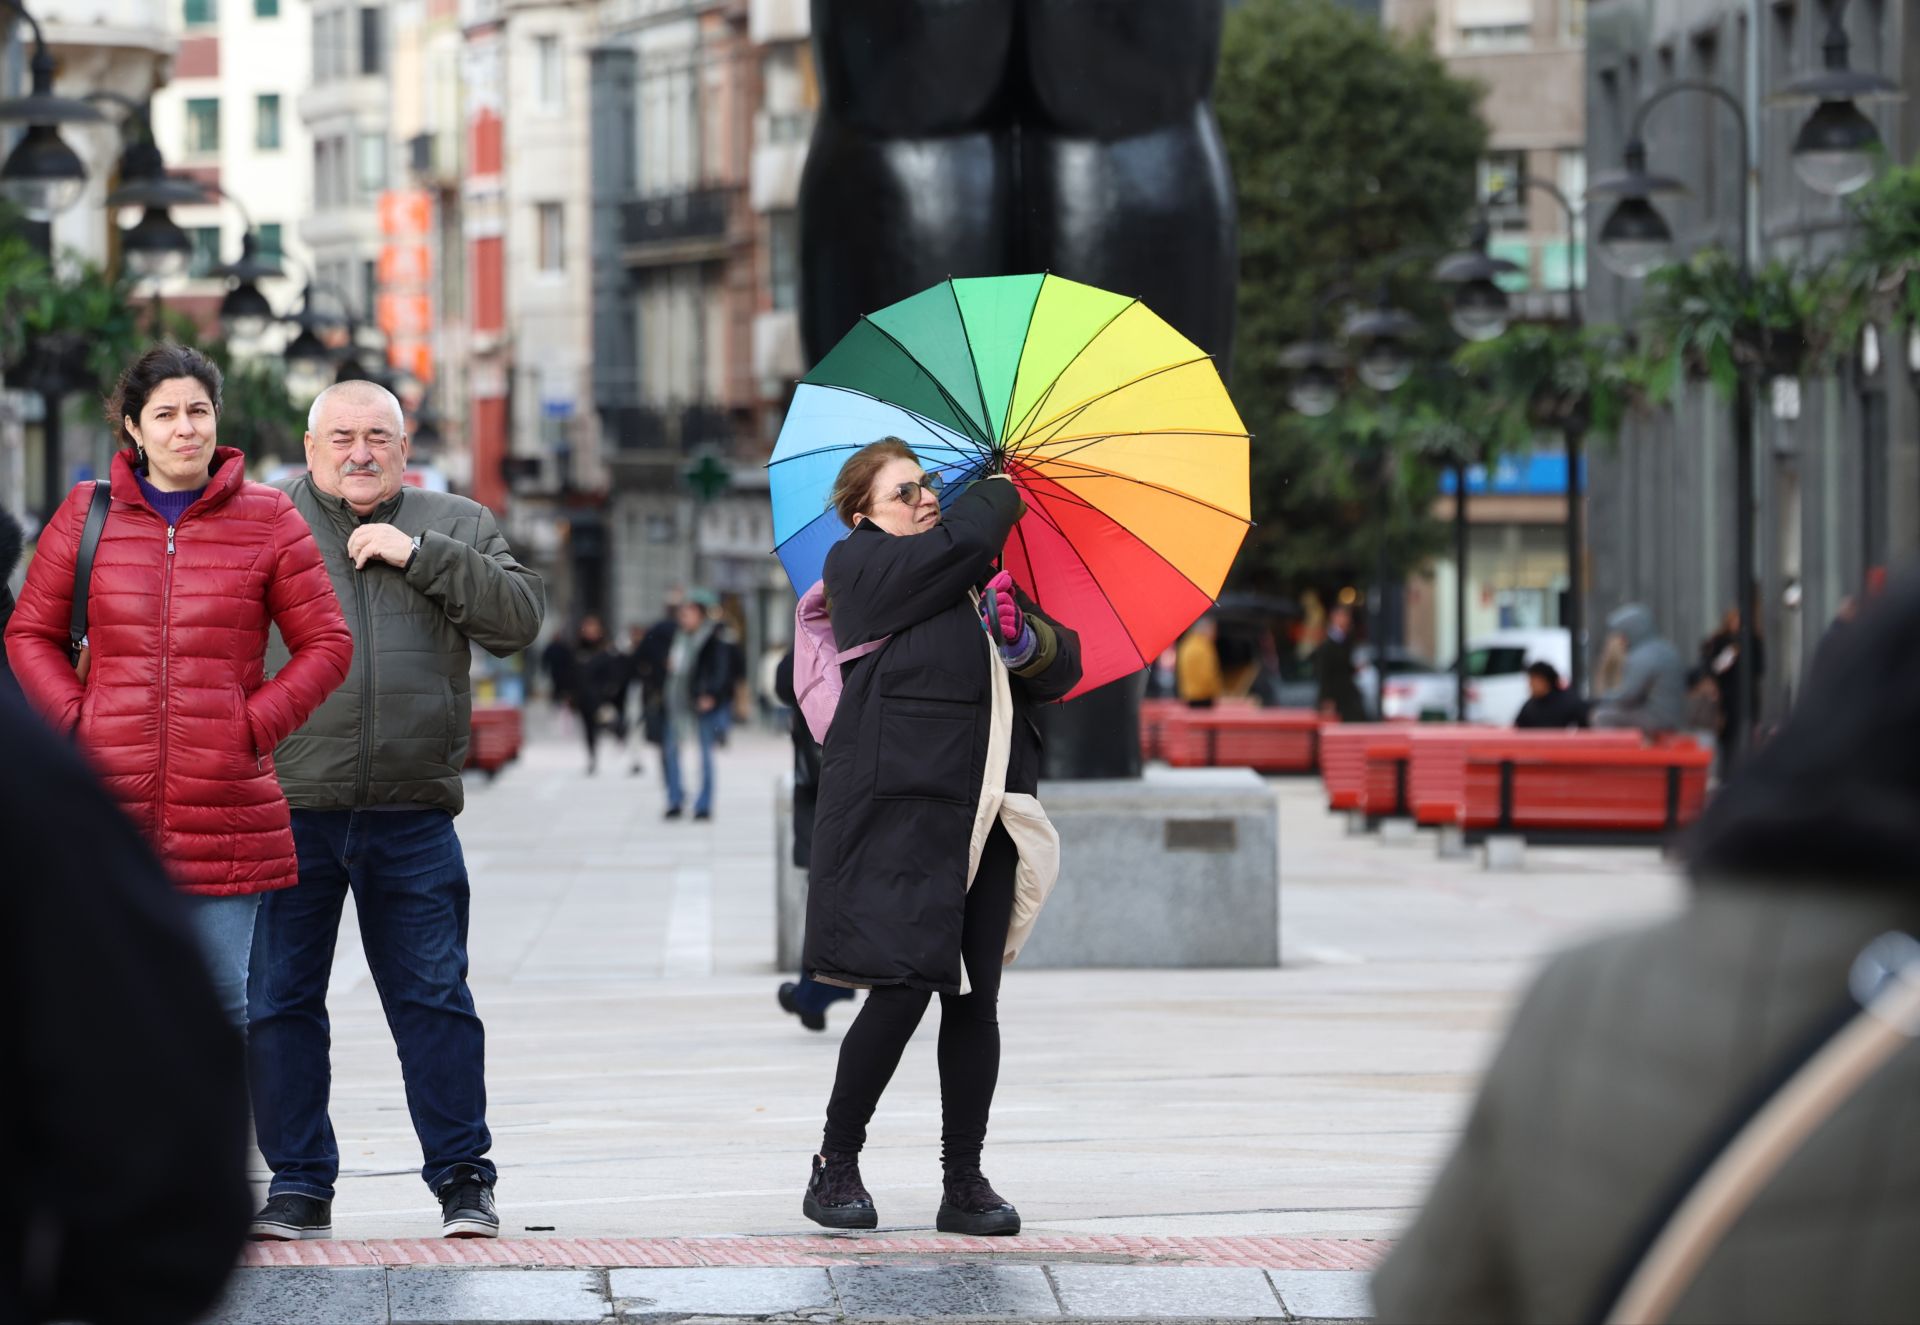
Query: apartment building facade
(1837,457)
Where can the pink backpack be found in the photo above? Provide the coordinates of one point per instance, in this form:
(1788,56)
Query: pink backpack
(816,660)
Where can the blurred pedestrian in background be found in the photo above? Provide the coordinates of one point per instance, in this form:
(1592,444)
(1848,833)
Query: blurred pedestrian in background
(805,998)
(10,547)
(919,884)
(600,675)
(647,660)
(192,566)
(1549,703)
(701,675)
(1634,1060)
(374,778)
(559,661)
(1651,694)
(1333,670)
(1197,664)
(1722,664)
(123,1127)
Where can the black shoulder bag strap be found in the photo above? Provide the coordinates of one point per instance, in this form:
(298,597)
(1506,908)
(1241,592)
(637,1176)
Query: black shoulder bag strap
(83,559)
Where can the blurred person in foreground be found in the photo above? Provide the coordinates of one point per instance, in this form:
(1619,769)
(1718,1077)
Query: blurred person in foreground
(123,1128)
(1633,1059)
(1549,704)
(374,778)
(1651,694)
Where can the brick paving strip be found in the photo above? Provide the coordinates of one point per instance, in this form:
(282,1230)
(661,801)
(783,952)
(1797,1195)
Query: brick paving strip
(1263,1253)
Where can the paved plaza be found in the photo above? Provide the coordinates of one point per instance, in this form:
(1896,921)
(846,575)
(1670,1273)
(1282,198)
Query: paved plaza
(653,1110)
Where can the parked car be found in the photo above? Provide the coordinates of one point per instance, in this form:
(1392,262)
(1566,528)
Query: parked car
(1400,663)
(1496,678)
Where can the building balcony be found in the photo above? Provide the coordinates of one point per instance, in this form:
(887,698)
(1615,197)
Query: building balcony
(690,226)
(651,432)
(363,99)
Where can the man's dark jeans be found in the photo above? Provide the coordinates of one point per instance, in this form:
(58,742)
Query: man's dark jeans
(409,884)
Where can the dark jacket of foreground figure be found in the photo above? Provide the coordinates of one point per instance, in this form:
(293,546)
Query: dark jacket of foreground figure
(123,1125)
(1633,1056)
(901,776)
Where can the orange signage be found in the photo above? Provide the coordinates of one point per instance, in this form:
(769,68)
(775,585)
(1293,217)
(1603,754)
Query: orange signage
(405,264)
(406,214)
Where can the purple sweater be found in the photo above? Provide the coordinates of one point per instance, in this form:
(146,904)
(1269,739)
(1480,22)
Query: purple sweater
(171,505)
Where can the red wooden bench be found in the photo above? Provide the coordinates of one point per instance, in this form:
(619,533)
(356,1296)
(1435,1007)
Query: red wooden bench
(1437,763)
(1266,740)
(1343,758)
(496,738)
(1383,786)
(1154,713)
(1575,791)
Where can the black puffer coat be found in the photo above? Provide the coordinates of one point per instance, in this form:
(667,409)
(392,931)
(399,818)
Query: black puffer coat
(907,750)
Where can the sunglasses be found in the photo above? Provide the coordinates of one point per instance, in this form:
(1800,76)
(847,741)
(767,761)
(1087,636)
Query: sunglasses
(908,494)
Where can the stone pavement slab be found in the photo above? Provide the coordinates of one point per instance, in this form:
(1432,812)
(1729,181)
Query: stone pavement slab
(457,1297)
(889,1292)
(729,1291)
(1323,1295)
(1111,1291)
(311,1297)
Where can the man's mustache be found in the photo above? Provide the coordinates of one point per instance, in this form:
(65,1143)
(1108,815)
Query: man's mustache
(371,467)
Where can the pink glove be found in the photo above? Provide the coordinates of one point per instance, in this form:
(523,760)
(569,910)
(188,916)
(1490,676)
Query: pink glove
(1006,625)
(1011,620)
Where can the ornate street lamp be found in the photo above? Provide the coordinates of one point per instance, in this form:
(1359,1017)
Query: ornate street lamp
(1837,147)
(1317,368)
(1481,309)
(1384,337)
(1635,238)
(43,176)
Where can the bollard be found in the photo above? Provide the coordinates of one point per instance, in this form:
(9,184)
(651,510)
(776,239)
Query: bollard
(1506,854)
(1399,832)
(1451,843)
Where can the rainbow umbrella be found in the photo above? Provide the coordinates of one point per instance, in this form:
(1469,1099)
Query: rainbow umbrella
(1116,427)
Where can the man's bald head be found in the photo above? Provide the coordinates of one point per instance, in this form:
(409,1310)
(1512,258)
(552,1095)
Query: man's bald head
(357,444)
(360,392)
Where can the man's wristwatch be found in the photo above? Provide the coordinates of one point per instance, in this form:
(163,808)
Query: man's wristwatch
(413,555)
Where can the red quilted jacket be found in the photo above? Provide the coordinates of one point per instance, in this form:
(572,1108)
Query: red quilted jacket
(176,714)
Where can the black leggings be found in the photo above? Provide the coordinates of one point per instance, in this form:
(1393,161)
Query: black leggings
(969,1029)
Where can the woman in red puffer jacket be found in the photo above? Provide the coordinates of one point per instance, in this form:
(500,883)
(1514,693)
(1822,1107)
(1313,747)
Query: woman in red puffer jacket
(176,712)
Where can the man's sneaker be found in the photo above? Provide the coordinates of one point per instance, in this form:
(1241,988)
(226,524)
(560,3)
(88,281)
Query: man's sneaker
(291,1217)
(836,1198)
(466,1208)
(970,1205)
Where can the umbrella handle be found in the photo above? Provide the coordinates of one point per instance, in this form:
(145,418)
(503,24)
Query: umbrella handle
(990,622)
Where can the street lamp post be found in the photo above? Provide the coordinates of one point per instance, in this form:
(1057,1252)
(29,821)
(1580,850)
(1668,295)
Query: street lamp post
(42,176)
(1474,274)
(1837,147)
(1633,239)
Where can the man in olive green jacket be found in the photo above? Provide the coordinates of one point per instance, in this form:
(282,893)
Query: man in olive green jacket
(374,781)
(1635,1059)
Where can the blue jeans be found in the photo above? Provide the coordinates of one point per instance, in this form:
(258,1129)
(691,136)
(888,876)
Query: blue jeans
(708,727)
(224,926)
(409,885)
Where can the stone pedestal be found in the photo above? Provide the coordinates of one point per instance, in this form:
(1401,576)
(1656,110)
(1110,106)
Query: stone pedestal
(1178,868)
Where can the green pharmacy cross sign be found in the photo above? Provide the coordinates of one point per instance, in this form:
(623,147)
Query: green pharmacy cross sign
(708,478)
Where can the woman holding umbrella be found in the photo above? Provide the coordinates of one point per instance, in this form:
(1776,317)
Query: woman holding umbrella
(930,857)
